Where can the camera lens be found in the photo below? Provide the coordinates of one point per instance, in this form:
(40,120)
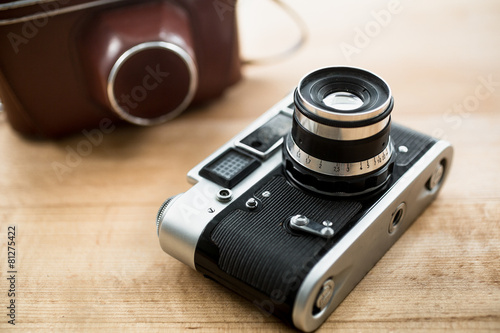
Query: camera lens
(340,140)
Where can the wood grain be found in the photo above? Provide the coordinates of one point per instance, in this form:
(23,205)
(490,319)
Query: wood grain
(88,256)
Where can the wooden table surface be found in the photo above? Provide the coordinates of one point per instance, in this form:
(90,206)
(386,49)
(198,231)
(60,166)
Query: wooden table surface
(88,257)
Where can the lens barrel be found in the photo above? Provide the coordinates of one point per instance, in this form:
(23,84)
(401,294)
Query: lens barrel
(340,140)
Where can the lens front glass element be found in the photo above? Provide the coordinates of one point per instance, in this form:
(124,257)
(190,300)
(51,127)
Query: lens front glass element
(342,100)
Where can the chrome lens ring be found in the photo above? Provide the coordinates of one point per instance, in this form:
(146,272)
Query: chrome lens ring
(315,88)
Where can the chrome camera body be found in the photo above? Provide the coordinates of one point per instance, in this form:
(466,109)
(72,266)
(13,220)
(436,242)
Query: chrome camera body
(297,208)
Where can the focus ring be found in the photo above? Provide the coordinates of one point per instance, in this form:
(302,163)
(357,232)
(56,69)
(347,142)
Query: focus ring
(337,186)
(339,169)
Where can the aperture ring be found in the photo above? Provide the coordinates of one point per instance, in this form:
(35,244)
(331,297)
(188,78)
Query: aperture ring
(341,133)
(338,169)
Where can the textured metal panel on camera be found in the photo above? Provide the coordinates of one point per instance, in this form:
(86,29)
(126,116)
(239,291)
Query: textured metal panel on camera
(256,248)
(414,141)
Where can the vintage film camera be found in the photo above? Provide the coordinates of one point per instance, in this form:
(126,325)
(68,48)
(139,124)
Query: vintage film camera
(68,65)
(296,209)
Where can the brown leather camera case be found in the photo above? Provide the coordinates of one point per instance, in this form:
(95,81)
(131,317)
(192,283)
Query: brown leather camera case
(67,65)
